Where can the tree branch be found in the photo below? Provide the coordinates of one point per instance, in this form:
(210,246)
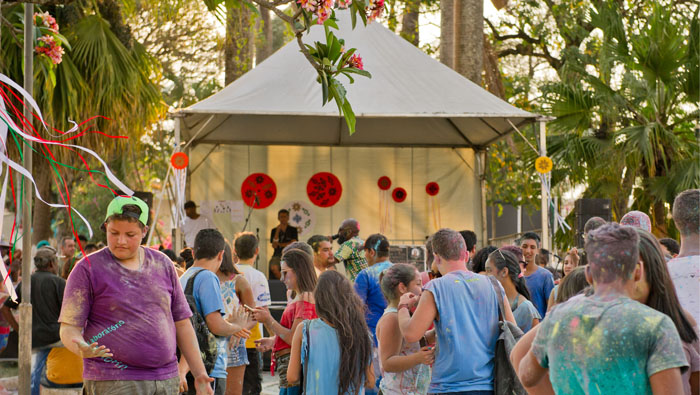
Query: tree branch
(521,35)
(291,20)
(524,50)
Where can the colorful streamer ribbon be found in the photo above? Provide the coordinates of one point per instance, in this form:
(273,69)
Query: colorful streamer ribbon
(7,125)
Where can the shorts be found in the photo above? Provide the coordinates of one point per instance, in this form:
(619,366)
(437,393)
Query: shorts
(134,387)
(281,365)
(237,356)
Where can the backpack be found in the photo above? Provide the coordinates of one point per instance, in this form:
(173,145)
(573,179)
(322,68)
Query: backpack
(505,382)
(206,339)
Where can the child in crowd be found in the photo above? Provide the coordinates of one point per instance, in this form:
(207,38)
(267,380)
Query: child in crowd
(299,276)
(329,368)
(405,366)
(570,263)
(235,291)
(369,290)
(504,266)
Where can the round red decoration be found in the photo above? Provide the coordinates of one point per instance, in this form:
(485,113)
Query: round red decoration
(399,195)
(258,185)
(179,160)
(384,183)
(324,189)
(432,188)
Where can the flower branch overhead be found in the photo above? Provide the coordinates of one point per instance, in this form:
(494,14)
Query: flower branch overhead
(330,59)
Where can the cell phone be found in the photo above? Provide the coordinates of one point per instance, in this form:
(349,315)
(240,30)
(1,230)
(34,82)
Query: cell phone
(250,309)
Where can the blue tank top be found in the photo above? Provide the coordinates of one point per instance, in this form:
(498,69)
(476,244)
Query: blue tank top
(466,331)
(323,358)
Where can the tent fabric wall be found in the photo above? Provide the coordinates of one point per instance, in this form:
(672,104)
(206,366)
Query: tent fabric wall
(220,177)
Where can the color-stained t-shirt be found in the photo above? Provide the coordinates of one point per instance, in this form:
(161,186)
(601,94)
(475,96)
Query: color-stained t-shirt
(261,294)
(207,297)
(299,309)
(131,312)
(591,346)
(540,284)
(320,347)
(352,255)
(467,306)
(524,313)
(692,354)
(685,274)
(370,291)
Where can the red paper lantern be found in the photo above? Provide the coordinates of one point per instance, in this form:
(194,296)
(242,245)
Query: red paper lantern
(399,195)
(432,188)
(260,186)
(324,189)
(179,160)
(384,183)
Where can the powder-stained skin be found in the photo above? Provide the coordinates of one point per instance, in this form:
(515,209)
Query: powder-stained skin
(148,301)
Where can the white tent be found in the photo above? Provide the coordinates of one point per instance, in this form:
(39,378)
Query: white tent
(435,121)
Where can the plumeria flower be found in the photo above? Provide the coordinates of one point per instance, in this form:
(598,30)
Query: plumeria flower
(344,3)
(356,62)
(375,9)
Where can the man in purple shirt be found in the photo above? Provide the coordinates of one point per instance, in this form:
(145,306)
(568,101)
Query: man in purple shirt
(125,313)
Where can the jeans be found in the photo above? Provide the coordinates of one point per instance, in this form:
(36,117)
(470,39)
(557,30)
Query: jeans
(38,370)
(252,378)
(464,393)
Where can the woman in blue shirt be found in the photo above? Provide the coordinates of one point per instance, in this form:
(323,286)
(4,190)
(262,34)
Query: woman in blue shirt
(505,268)
(328,368)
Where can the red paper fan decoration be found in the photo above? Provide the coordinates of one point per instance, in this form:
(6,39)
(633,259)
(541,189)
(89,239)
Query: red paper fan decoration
(432,188)
(179,160)
(258,185)
(324,189)
(399,195)
(384,183)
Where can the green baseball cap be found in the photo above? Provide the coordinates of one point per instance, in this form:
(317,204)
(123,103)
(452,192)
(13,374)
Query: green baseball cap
(116,206)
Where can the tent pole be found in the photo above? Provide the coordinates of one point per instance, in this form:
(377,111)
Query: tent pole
(178,234)
(544,206)
(25,308)
(482,185)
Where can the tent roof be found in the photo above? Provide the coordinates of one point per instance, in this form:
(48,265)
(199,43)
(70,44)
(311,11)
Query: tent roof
(411,100)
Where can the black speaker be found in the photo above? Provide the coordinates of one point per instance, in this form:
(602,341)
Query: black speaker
(588,208)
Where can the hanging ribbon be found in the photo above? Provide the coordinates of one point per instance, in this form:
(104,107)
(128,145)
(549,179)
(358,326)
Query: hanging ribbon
(546,180)
(384,184)
(432,189)
(9,127)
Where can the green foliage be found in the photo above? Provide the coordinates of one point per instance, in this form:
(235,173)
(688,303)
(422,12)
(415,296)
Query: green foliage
(325,56)
(624,93)
(98,75)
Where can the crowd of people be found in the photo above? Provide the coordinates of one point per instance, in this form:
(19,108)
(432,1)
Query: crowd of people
(619,316)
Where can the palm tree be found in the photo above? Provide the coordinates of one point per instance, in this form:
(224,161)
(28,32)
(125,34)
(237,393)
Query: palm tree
(625,127)
(102,74)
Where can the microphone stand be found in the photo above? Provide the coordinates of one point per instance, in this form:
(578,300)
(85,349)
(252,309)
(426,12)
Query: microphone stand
(250,211)
(257,257)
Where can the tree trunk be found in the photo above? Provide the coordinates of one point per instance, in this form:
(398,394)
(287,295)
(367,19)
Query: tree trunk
(41,221)
(446,32)
(238,54)
(469,36)
(409,22)
(658,219)
(263,46)
(492,75)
